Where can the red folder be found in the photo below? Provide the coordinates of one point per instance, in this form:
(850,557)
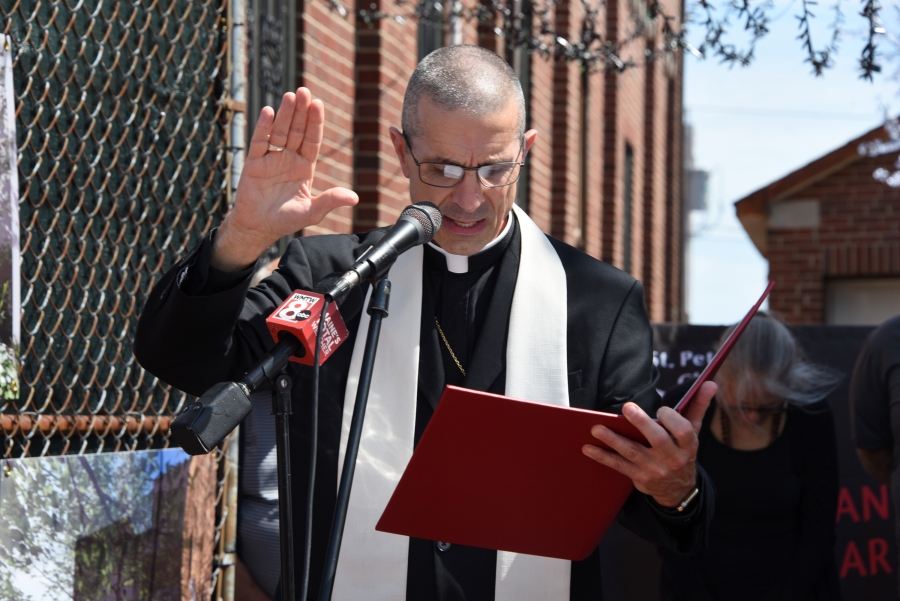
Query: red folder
(501,473)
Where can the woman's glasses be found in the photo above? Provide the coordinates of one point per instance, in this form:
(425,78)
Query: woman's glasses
(764,410)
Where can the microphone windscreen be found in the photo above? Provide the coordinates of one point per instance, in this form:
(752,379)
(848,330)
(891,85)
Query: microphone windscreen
(428,215)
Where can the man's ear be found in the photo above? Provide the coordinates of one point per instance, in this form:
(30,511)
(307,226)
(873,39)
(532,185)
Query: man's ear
(530,137)
(399,143)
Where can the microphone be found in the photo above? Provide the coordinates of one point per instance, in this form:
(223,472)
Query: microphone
(202,425)
(297,321)
(416,225)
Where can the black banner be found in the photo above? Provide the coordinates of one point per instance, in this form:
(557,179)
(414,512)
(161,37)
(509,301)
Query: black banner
(866,549)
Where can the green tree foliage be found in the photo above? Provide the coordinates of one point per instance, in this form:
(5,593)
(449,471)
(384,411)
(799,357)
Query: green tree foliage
(104,527)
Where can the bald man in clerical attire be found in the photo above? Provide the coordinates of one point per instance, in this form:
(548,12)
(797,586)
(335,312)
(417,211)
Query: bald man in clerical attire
(458,311)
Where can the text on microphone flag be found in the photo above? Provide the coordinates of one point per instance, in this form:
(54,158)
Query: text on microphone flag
(299,315)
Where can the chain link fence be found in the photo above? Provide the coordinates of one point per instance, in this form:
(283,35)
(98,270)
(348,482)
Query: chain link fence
(122,138)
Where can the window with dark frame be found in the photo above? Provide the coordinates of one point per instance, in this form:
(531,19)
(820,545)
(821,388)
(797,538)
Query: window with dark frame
(431,29)
(520,60)
(583,161)
(627,202)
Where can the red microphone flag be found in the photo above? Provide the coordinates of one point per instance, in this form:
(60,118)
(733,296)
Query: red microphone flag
(299,315)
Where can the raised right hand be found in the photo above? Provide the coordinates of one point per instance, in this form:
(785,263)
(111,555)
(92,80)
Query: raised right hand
(274,196)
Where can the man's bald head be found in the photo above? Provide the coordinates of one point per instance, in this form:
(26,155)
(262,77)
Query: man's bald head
(464,77)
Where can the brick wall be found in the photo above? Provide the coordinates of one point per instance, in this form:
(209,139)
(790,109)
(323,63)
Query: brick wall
(386,55)
(592,225)
(654,248)
(675,215)
(567,134)
(576,171)
(326,56)
(642,109)
(540,159)
(858,236)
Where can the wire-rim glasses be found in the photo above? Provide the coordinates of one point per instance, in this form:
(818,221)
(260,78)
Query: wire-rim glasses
(446,175)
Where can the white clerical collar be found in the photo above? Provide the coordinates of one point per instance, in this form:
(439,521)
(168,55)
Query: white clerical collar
(460,263)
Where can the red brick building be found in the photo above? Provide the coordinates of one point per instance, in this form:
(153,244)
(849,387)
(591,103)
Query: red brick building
(831,234)
(604,175)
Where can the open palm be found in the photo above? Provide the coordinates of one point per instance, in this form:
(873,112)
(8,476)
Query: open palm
(274,196)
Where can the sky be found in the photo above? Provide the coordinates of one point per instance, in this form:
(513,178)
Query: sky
(755,124)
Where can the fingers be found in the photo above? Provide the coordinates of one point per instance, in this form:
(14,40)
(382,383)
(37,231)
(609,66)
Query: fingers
(299,127)
(678,427)
(697,407)
(672,439)
(259,143)
(663,473)
(298,120)
(652,431)
(279,134)
(330,200)
(315,128)
(630,450)
(611,460)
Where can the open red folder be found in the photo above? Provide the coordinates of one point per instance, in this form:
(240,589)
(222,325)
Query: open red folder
(501,473)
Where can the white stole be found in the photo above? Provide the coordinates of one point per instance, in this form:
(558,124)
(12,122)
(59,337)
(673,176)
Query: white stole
(373,565)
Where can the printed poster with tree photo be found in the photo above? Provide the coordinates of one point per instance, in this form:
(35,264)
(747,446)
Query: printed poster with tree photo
(9,231)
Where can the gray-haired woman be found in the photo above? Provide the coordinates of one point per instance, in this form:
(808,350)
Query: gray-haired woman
(768,444)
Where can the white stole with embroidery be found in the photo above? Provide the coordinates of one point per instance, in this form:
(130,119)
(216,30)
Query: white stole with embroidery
(373,565)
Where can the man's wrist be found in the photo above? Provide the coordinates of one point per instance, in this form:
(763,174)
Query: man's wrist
(682,503)
(233,251)
(686,501)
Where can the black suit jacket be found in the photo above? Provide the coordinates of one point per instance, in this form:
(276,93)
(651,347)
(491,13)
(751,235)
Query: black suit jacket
(200,327)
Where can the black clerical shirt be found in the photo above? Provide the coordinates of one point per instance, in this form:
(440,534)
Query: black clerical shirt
(461,302)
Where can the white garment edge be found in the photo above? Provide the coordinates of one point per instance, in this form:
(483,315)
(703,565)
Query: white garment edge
(460,263)
(373,565)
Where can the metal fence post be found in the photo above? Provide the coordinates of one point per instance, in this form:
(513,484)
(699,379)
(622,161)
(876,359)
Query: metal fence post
(237,74)
(228,540)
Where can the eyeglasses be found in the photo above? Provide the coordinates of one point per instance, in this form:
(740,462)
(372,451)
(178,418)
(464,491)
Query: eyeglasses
(443,175)
(764,410)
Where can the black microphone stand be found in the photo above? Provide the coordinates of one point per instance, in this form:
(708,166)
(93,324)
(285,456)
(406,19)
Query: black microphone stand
(204,424)
(378,310)
(281,407)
